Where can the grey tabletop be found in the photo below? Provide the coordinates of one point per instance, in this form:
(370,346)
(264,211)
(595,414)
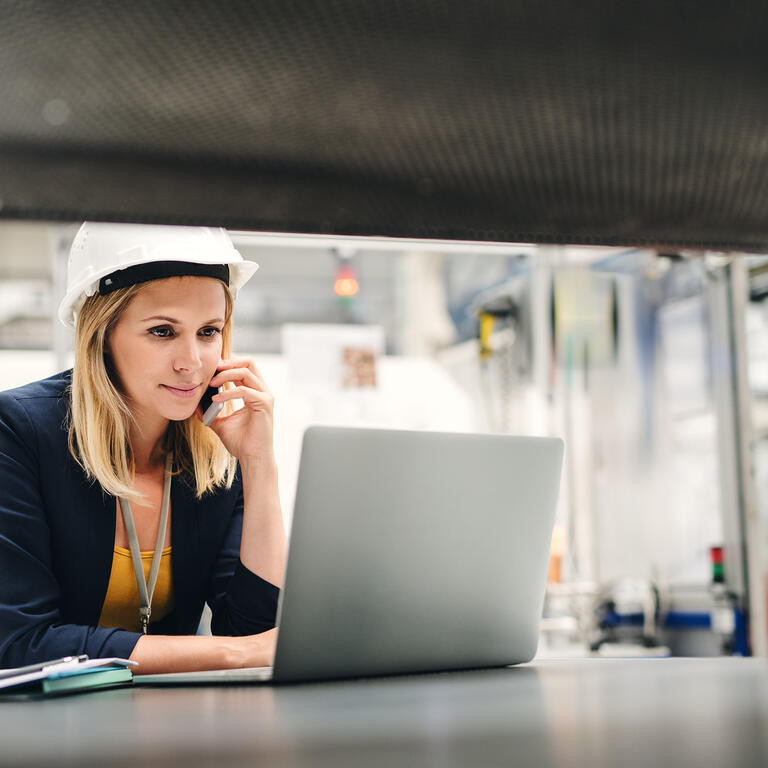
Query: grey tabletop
(676,712)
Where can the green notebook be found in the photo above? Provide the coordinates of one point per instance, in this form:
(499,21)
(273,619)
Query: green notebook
(86,680)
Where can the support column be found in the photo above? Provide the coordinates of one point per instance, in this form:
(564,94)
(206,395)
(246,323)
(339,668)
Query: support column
(745,569)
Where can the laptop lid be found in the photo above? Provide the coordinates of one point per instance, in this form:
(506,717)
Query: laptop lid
(415,552)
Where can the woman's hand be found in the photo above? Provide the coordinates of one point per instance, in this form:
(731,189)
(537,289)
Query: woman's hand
(190,653)
(247,435)
(248,432)
(258,650)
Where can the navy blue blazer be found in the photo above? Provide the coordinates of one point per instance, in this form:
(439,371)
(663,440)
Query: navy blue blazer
(57,534)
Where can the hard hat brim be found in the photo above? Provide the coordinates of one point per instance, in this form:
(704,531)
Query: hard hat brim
(240,272)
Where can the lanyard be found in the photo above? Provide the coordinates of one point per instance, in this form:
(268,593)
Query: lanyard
(147,590)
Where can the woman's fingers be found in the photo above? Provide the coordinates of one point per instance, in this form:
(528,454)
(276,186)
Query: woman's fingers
(247,394)
(243,362)
(234,374)
(240,375)
(239,371)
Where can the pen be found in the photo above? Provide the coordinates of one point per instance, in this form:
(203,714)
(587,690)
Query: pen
(39,667)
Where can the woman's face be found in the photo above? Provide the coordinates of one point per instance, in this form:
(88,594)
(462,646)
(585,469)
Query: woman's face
(167,343)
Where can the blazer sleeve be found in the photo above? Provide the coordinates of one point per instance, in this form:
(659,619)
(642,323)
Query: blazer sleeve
(31,625)
(241,602)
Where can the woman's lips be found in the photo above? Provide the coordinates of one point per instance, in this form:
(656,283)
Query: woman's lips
(182,392)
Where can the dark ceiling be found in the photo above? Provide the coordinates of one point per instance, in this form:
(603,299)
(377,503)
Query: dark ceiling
(580,122)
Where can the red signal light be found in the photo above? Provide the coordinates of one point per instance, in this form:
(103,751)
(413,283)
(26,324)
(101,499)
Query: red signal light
(346,284)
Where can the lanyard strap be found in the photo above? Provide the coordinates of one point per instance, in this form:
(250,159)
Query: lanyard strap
(147,590)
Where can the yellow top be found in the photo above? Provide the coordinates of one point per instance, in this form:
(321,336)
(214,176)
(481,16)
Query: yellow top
(121,605)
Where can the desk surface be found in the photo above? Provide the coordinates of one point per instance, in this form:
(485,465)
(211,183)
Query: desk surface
(677,712)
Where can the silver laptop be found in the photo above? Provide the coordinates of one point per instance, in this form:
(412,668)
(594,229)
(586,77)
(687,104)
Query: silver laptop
(411,552)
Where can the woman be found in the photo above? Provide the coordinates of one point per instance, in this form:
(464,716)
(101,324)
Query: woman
(121,513)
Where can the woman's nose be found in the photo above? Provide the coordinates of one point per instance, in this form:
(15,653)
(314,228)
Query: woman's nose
(187,355)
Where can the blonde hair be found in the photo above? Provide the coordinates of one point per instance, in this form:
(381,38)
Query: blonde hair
(100,419)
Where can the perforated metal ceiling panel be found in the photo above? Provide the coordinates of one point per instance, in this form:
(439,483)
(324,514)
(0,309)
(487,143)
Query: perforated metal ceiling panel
(580,122)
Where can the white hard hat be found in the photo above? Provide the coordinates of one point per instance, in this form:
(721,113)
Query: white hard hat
(107,256)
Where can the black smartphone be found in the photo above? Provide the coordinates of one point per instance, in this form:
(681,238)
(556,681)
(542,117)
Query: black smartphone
(208,408)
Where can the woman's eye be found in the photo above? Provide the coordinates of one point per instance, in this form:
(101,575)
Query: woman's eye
(209,332)
(161,331)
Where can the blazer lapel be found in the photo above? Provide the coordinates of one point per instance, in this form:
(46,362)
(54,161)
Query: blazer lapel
(101,544)
(185,560)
